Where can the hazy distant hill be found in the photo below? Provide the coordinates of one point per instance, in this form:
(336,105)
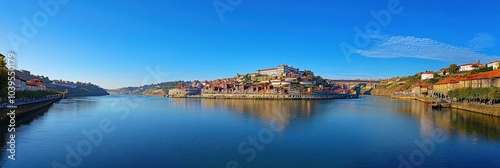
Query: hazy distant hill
(82,89)
(159,89)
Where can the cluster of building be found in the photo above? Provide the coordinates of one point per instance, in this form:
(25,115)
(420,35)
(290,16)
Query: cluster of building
(480,80)
(30,85)
(64,83)
(461,68)
(471,67)
(441,88)
(283,79)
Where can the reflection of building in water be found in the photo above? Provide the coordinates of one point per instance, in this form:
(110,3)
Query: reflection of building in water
(185,103)
(419,111)
(281,111)
(454,121)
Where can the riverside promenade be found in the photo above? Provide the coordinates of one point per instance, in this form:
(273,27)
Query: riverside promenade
(493,110)
(269,96)
(27,107)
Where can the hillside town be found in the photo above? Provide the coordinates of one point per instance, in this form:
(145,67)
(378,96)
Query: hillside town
(282,80)
(25,82)
(440,84)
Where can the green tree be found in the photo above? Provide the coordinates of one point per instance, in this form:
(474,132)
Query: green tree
(483,94)
(453,68)
(486,69)
(494,94)
(247,78)
(3,78)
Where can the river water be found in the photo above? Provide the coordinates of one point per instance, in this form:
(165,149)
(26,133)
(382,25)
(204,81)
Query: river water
(142,131)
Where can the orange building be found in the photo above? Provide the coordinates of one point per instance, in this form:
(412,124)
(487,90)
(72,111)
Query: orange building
(480,80)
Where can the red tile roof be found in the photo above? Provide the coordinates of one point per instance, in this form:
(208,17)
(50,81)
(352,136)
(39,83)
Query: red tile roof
(34,82)
(473,65)
(450,80)
(482,75)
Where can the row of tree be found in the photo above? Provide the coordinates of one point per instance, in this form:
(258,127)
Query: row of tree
(35,94)
(491,94)
(3,79)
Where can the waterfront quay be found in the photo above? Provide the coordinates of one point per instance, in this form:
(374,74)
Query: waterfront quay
(493,110)
(25,108)
(268,96)
(282,82)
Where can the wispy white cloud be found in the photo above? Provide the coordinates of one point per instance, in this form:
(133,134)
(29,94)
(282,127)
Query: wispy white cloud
(425,48)
(482,41)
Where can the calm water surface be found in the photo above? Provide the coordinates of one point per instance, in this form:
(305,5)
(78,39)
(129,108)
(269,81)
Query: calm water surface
(142,131)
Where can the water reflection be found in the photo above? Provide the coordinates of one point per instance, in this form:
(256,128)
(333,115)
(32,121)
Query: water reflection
(279,111)
(24,120)
(455,122)
(78,104)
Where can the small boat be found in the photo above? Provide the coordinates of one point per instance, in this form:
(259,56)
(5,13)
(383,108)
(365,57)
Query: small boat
(440,104)
(435,105)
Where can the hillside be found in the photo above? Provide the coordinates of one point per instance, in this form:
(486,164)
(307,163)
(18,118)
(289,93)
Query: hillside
(159,89)
(81,89)
(389,86)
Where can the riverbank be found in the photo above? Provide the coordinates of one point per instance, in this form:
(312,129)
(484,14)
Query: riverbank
(27,108)
(423,99)
(475,108)
(479,108)
(267,96)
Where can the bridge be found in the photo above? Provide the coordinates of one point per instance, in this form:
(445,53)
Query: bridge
(354,81)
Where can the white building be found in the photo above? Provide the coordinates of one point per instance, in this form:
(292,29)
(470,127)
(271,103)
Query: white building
(470,67)
(279,70)
(494,64)
(270,71)
(427,75)
(64,84)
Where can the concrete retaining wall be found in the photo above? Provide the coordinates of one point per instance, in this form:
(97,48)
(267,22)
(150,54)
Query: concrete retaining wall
(26,109)
(478,108)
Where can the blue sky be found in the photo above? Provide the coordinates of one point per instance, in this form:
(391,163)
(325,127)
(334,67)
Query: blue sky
(118,43)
